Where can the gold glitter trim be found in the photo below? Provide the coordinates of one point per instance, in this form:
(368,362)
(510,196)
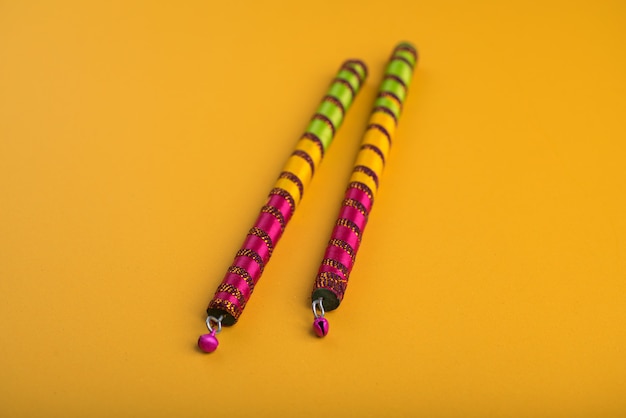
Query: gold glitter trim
(336,264)
(353,203)
(362,187)
(285,194)
(243,273)
(246,252)
(226,306)
(258,232)
(335,242)
(331,281)
(232,290)
(350,225)
(276,214)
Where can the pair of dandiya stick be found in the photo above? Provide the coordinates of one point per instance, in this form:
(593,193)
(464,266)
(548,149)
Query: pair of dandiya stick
(330,284)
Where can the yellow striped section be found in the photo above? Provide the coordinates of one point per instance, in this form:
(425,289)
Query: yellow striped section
(371,160)
(300,168)
(378,139)
(311,148)
(385,120)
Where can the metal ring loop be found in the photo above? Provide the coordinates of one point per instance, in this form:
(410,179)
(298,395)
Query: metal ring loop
(318,305)
(216,321)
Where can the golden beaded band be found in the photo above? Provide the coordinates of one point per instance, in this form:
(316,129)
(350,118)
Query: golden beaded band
(336,242)
(362,187)
(350,225)
(234,291)
(258,232)
(247,252)
(356,205)
(243,273)
(284,194)
(224,305)
(276,214)
(331,281)
(336,264)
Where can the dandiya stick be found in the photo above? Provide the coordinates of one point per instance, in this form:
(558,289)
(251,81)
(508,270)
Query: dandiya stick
(242,276)
(332,278)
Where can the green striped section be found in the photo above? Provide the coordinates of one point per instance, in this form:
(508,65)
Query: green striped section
(401,70)
(343,94)
(394,87)
(321,130)
(359,69)
(406,54)
(332,112)
(350,78)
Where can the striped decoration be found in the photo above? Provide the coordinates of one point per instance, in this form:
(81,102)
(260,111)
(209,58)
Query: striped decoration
(332,277)
(242,276)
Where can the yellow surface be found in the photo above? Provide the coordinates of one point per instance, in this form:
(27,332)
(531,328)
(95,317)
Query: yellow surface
(138,141)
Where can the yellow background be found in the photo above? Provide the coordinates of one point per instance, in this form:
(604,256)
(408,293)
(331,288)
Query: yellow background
(138,141)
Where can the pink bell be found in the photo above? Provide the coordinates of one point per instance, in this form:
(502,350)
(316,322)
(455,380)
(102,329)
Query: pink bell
(208,342)
(320,326)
